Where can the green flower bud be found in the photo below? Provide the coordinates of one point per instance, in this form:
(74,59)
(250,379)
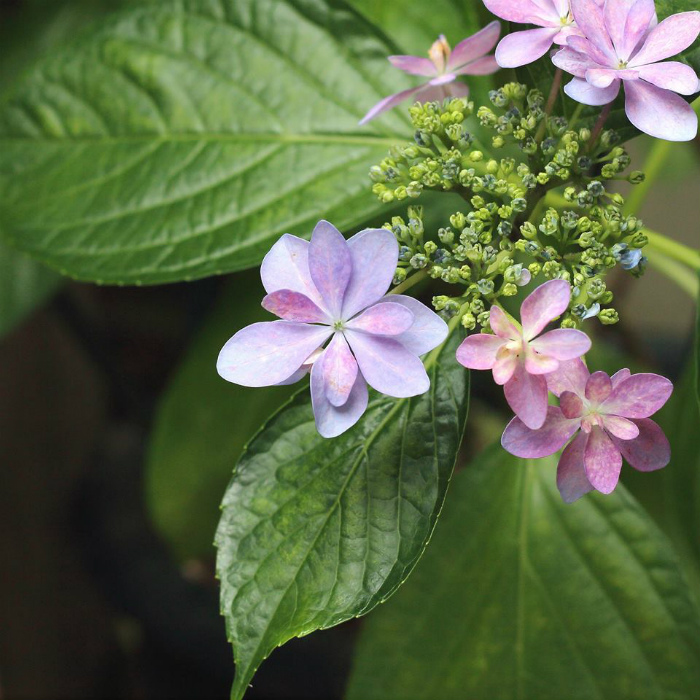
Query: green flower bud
(476,156)
(430,247)
(399,275)
(469,321)
(636,177)
(534,268)
(509,290)
(483,320)
(608,317)
(418,261)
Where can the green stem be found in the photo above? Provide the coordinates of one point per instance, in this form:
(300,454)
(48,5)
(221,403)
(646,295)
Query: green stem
(676,272)
(600,123)
(673,250)
(652,168)
(451,327)
(551,101)
(408,283)
(576,115)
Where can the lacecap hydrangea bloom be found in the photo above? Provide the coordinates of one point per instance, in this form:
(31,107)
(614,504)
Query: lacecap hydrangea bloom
(333,289)
(469,57)
(520,357)
(610,418)
(623,44)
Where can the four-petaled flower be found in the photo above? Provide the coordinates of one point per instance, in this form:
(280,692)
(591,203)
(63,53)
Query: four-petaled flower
(333,288)
(519,358)
(623,44)
(612,414)
(443,67)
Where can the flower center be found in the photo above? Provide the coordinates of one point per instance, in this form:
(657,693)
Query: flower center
(338,325)
(439,53)
(621,65)
(566,19)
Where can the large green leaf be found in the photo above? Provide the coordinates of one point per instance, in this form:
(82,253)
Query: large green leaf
(314,532)
(182,138)
(202,425)
(523,597)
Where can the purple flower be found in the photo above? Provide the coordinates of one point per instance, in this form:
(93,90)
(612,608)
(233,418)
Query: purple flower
(330,288)
(519,356)
(444,65)
(623,44)
(552,16)
(612,414)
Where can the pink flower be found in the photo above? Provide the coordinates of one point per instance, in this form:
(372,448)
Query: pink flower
(612,414)
(520,357)
(520,48)
(444,65)
(623,44)
(330,288)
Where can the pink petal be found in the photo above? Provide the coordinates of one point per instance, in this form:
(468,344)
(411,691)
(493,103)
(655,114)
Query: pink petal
(332,420)
(521,441)
(522,12)
(649,451)
(619,377)
(539,364)
(586,94)
(504,367)
(562,344)
(621,427)
(384,318)
(428,329)
(669,38)
(474,47)
(602,461)
(671,75)
(479,350)
(482,66)
(387,366)
(549,301)
(268,353)
(502,324)
(526,394)
(520,48)
(571,404)
(580,43)
(601,77)
(571,473)
(615,13)
(339,370)
(286,266)
(572,375)
(640,20)
(390,102)
(659,113)
(591,21)
(598,387)
(639,396)
(375,254)
(294,306)
(415,65)
(330,265)
(573,62)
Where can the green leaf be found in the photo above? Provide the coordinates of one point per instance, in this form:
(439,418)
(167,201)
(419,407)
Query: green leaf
(521,596)
(202,426)
(182,138)
(314,532)
(697,352)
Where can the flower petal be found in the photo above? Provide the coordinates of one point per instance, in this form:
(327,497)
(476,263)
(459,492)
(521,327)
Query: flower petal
(602,461)
(649,451)
(478,351)
(521,12)
(668,38)
(549,301)
(383,318)
(580,43)
(573,62)
(521,441)
(598,387)
(428,329)
(571,404)
(387,366)
(562,344)
(502,324)
(586,94)
(474,47)
(539,364)
(590,19)
(671,75)
(572,481)
(339,370)
(390,102)
(482,66)
(504,367)
(416,65)
(294,306)
(286,266)
(268,353)
(375,254)
(600,77)
(520,48)
(640,20)
(330,265)
(659,113)
(572,375)
(620,427)
(620,376)
(332,420)
(639,396)
(526,394)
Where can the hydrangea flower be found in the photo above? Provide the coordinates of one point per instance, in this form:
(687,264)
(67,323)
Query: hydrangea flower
(611,417)
(553,17)
(443,67)
(330,288)
(519,356)
(623,44)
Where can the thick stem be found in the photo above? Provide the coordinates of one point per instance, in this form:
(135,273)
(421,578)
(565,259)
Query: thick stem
(652,167)
(598,128)
(408,283)
(676,272)
(551,101)
(673,249)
